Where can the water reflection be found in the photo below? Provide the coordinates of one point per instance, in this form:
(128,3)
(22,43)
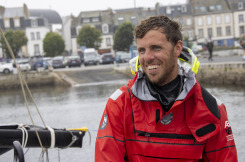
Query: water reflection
(83,105)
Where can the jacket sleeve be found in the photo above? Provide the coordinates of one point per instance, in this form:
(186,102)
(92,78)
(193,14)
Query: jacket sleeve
(110,144)
(221,147)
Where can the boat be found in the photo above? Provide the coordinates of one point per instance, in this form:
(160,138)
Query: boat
(19,136)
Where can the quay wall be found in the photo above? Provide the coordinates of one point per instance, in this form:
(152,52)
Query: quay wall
(231,73)
(33,79)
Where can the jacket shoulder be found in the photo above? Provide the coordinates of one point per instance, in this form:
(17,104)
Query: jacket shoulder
(210,102)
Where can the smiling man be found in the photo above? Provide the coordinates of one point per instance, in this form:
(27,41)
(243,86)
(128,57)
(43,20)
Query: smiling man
(163,114)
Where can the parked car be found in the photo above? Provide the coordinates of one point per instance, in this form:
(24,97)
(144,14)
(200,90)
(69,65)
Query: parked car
(48,60)
(39,63)
(24,65)
(122,57)
(6,68)
(73,61)
(58,62)
(91,57)
(106,58)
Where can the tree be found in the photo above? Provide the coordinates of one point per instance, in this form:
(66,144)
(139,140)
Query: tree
(89,36)
(16,40)
(187,42)
(53,44)
(123,37)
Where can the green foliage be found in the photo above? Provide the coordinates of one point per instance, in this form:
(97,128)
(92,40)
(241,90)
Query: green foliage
(189,44)
(123,37)
(16,40)
(53,44)
(89,36)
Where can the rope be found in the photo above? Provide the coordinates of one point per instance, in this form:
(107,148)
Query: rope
(24,135)
(52,135)
(23,90)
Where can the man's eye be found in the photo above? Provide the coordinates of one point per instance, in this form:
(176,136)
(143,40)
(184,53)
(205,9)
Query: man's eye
(141,50)
(157,48)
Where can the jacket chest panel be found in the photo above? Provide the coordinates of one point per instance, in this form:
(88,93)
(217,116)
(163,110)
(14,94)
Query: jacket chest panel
(145,118)
(171,136)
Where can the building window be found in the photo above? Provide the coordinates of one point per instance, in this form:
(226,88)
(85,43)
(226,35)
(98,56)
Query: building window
(108,41)
(32,36)
(16,22)
(209,20)
(240,5)
(36,50)
(105,29)
(200,33)
(241,30)
(86,20)
(188,21)
(38,35)
(95,19)
(203,9)
(33,23)
(183,9)
(200,21)
(228,30)
(210,32)
(181,21)
(134,20)
(241,19)
(6,23)
(211,8)
(218,20)
(219,7)
(168,10)
(219,32)
(227,18)
(190,34)
(120,20)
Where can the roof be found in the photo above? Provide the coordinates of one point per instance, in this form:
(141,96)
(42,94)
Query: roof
(52,16)
(175,10)
(14,12)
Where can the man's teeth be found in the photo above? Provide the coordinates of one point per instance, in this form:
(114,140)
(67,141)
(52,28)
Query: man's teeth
(152,67)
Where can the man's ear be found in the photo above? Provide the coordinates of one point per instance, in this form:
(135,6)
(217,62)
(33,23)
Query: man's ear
(178,48)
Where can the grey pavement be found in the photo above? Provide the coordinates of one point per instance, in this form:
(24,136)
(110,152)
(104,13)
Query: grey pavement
(222,56)
(232,58)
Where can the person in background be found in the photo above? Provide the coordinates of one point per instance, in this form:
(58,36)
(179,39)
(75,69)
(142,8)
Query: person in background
(163,114)
(15,70)
(242,43)
(210,46)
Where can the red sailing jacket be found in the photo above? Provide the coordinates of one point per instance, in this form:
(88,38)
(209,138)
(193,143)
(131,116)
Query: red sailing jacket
(195,129)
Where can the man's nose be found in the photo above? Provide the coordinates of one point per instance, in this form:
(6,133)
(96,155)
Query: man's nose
(149,55)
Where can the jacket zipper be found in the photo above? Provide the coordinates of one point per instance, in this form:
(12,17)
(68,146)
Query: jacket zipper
(165,135)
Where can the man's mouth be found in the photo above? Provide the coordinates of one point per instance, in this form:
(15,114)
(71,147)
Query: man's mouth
(152,67)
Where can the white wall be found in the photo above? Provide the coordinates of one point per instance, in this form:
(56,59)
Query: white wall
(31,43)
(66,32)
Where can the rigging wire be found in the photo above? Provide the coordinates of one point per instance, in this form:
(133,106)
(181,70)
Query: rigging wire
(22,83)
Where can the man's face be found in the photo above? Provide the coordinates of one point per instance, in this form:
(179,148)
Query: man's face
(158,57)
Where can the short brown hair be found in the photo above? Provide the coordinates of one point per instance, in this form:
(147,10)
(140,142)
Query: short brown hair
(169,27)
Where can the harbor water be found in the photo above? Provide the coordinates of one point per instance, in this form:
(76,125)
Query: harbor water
(83,105)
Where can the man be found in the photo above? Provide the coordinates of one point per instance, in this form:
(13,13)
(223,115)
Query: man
(163,114)
(242,43)
(210,46)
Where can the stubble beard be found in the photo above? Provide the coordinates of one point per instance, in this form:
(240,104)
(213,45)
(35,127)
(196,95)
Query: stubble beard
(166,75)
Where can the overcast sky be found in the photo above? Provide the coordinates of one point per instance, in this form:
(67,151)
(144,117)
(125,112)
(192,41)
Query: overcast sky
(67,7)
